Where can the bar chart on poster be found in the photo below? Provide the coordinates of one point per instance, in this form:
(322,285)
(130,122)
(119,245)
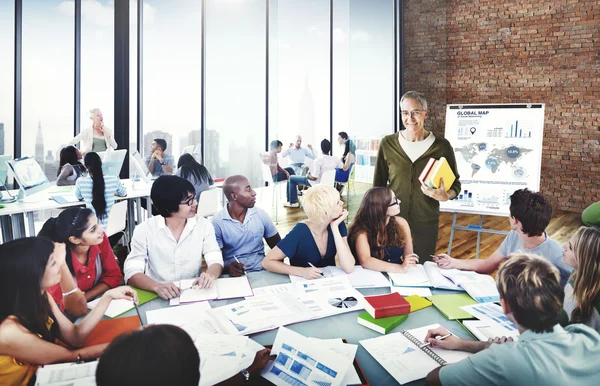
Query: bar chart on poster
(498,149)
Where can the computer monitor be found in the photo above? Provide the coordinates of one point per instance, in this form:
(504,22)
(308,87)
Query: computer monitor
(5,197)
(112,161)
(140,167)
(30,176)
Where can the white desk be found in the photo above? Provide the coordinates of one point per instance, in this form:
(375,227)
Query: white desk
(12,216)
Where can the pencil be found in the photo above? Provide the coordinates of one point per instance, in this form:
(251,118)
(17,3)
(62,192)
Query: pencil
(138,313)
(309,263)
(236,259)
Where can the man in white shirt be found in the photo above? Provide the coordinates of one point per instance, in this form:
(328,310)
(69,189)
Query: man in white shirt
(168,248)
(297,155)
(322,164)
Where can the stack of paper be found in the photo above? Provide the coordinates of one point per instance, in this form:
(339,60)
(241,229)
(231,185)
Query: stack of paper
(359,278)
(301,362)
(492,322)
(72,374)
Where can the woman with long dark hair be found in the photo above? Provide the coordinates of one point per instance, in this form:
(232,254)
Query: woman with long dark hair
(348,158)
(30,320)
(89,259)
(194,172)
(378,237)
(98,190)
(69,168)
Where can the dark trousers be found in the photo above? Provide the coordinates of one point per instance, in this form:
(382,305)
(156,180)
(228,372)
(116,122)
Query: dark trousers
(280,176)
(424,241)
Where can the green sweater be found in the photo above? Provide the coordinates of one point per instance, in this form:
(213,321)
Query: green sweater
(393,165)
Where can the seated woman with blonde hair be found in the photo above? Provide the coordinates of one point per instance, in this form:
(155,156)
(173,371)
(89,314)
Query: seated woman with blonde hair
(315,242)
(379,238)
(582,292)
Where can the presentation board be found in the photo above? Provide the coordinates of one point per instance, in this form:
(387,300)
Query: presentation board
(498,149)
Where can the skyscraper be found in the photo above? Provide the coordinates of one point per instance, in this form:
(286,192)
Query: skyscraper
(39,145)
(1,138)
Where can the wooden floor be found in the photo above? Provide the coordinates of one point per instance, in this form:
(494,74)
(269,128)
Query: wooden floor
(562,225)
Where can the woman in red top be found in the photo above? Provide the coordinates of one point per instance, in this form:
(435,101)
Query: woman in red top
(91,263)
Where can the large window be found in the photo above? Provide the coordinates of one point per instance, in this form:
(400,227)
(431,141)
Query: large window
(172,73)
(97,61)
(48,81)
(299,71)
(235,87)
(7,72)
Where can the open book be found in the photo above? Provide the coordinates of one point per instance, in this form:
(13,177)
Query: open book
(360,277)
(403,356)
(224,288)
(480,287)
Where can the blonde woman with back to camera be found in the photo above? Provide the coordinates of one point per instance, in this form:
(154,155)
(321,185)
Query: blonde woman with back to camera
(314,243)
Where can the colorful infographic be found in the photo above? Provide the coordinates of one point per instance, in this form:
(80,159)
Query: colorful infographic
(498,149)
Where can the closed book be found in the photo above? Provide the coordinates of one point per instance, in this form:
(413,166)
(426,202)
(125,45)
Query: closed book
(441,170)
(381,325)
(382,306)
(426,170)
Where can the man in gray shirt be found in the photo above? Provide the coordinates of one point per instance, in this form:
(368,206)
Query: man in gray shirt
(530,214)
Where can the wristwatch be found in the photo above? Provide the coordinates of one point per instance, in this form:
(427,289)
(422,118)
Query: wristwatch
(246,374)
(163,163)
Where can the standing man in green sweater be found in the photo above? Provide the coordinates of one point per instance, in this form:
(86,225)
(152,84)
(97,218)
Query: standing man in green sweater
(401,159)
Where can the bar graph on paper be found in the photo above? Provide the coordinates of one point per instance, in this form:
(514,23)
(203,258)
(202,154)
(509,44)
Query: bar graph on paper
(518,129)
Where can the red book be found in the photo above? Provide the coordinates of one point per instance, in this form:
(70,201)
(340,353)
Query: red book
(382,306)
(426,170)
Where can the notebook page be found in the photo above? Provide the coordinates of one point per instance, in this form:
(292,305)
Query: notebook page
(450,356)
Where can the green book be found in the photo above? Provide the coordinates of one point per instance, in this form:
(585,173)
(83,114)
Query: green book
(381,325)
(449,305)
(145,296)
(121,306)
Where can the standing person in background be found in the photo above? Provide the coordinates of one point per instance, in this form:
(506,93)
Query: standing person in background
(297,155)
(348,159)
(401,159)
(158,161)
(96,138)
(194,172)
(69,168)
(98,190)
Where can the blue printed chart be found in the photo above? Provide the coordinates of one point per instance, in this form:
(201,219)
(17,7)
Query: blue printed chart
(498,149)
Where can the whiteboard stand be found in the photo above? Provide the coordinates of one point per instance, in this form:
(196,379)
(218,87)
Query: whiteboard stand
(471,228)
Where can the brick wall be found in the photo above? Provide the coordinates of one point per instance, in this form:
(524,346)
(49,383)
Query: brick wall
(513,51)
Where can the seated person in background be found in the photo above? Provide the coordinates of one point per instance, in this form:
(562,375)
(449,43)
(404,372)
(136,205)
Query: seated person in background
(591,215)
(194,172)
(315,242)
(98,190)
(30,320)
(297,155)
(69,168)
(349,157)
(158,161)
(530,214)
(240,228)
(270,158)
(582,292)
(172,244)
(324,163)
(162,355)
(89,259)
(545,354)
(378,237)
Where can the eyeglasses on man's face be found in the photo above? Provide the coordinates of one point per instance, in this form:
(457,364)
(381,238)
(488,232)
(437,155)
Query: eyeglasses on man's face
(413,114)
(188,201)
(395,202)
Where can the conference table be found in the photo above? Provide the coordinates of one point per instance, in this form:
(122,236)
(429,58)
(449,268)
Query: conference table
(338,326)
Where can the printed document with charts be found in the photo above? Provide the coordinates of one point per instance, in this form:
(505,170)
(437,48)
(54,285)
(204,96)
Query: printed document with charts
(480,287)
(72,374)
(403,356)
(286,304)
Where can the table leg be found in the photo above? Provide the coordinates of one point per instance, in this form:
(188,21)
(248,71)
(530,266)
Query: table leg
(7,228)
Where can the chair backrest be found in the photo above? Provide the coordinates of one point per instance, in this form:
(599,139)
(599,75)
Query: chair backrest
(116,218)
(266,173)
(209,202)
(328,178)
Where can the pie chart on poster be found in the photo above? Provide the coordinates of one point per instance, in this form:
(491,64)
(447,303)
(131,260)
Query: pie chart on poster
(349,302)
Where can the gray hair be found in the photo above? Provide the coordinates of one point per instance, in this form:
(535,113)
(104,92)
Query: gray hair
(92,111)
(417,96)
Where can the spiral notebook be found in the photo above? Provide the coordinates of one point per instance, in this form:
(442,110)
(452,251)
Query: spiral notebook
(401,354)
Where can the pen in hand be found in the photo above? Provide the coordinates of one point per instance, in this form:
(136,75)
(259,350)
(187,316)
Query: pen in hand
(236,259)
(439,337)
(309,263)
